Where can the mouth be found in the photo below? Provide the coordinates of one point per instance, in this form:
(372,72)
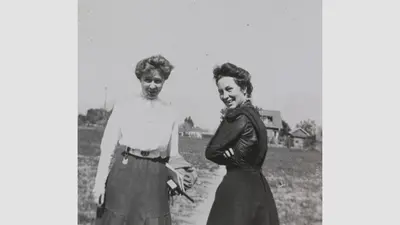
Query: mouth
(152,93)
(229,103)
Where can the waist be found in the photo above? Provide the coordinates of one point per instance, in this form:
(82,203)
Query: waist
(243,170)
(152,154)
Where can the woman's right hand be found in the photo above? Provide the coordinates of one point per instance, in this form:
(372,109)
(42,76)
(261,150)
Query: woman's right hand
(98,194)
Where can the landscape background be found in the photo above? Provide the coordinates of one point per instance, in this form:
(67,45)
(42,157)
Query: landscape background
(295,177)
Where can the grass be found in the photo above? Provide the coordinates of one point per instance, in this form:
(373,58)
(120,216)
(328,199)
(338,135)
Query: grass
(295,178)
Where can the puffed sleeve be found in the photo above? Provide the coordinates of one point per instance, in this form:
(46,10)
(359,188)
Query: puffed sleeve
(227,134)
(111,136)
(174,141)
(173,145)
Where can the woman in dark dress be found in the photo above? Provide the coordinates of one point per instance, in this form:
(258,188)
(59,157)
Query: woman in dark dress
(240,143)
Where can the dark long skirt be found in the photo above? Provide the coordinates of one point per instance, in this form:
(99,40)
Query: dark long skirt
(243,198)
(136,193)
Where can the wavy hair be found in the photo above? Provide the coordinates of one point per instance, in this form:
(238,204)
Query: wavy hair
(241,76)
(154,63)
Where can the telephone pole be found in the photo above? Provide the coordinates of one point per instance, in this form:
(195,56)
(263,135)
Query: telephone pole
(105,98)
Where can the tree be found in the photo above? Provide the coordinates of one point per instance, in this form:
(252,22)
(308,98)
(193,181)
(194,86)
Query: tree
(308,125)
(81,120)
(285,131)
(189,122)
(319,133)
(97,116)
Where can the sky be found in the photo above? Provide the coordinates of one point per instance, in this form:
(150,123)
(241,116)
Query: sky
(278,41)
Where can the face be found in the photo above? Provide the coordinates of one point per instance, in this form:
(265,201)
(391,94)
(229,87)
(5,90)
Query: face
(230,93)
(152,84)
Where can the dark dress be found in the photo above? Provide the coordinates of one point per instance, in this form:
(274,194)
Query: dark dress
(244,196)
(136,192)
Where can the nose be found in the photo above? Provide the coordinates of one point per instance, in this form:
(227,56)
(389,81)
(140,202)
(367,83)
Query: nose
(225,95)
(152,85)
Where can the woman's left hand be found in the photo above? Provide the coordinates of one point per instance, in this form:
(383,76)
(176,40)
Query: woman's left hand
(229,153)
(181,181)
(176,176)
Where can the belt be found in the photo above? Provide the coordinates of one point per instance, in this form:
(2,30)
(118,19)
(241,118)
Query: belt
(143,154)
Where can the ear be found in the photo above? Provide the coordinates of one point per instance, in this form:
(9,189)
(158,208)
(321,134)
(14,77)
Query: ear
(244,90)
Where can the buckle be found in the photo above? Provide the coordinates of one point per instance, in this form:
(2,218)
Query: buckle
(145,153)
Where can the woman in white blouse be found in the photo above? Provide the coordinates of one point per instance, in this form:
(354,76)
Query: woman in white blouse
(145,131)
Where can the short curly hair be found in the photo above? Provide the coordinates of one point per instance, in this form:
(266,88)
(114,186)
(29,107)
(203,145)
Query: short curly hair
(154,63)
(241,76)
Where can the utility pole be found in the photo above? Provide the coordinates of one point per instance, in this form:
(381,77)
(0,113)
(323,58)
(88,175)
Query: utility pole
(105,98)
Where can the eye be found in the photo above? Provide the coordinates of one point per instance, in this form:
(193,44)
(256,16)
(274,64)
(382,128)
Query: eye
(158,81)
(148,80)
(229,89)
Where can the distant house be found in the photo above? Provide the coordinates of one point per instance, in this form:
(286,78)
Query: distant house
(273,121)
(181,131)
(194,132)
(299,135)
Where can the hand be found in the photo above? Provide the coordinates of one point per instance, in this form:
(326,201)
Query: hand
(228,153)
(98,195)
(176,177)
(180,181)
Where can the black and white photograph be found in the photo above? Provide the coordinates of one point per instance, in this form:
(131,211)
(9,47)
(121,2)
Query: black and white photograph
(200,112)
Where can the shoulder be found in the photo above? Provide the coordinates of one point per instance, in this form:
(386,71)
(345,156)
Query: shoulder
(126,104)
(120,105)
(242,116)
(237,121)
(236,115)
(169,108)
(165,103)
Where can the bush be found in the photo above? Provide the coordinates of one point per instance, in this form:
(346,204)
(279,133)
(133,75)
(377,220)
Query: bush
(310,143)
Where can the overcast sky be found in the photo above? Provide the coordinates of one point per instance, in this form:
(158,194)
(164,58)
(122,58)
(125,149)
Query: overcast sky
(277,41)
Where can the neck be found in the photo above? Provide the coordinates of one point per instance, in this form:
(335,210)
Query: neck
(147,98)
(245,102)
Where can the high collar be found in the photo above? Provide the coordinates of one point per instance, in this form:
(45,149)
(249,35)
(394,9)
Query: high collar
(246,103)
(148,99)
(233,113)
(152,103)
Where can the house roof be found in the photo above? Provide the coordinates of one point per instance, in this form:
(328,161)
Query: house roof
(276,118)
(300,133)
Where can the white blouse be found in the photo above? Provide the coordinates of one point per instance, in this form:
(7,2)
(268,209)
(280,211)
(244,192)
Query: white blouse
(140,123)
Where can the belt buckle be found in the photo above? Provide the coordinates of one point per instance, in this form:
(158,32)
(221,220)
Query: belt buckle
(144,153)
(125,155)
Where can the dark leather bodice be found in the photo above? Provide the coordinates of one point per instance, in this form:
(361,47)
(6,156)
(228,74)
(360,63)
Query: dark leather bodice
(244,132)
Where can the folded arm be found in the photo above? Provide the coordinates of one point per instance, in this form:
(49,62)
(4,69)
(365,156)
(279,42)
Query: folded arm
(227,134)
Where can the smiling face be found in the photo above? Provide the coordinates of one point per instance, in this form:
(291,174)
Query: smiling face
(230,93)
(152,84)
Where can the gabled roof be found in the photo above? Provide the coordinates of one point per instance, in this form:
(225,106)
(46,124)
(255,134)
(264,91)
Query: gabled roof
(276,118)
(300,133)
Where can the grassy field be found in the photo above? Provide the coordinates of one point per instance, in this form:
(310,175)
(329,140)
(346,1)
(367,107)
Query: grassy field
(295,178)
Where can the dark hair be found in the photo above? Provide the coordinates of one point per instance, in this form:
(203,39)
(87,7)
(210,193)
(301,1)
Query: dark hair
(154,63)
(240,75)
